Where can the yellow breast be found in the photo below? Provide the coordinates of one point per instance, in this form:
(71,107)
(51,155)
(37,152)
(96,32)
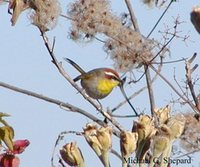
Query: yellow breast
(105,86)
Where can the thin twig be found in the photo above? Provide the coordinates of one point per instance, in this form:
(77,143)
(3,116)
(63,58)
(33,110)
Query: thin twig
(170,62)
(189,153)
(131,97)
(133,18)
(122,116)
(67,17)
(61,163)
(189,72)
(150,91)
(174,89)
(160,19)
(184,93)
(114,152)
(164,46)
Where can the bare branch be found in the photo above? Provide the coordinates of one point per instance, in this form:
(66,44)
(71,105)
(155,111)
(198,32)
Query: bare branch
(116,154)
(160,19)
(133,18)
(170,62)
(189,72)
(67,17)
(54,101)
(184,93)
(189,153)
(150,90)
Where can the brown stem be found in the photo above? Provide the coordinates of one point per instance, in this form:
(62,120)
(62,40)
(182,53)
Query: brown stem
(133,18)
(159,19)
(150,90)
(189,72)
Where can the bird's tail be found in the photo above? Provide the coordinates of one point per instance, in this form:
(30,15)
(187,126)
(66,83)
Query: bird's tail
(76,66)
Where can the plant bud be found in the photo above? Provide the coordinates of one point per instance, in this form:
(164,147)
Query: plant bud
(90,132)
(128,143)
(104,136)
(100,140)
(161,144)
(145,127)
(72,155)
(163,114)
(176,125)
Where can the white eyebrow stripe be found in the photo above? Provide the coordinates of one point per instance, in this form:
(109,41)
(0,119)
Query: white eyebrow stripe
(110,73)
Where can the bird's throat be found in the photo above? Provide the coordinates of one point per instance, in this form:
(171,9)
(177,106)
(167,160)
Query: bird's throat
(105,86)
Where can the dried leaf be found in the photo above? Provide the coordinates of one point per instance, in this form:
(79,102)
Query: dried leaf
(6,135)
(17,6)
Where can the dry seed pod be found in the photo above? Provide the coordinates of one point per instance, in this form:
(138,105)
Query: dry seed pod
(195,18)
(72,155)
(128,143)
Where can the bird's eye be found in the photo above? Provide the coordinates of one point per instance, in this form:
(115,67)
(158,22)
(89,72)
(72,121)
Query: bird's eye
(115,78)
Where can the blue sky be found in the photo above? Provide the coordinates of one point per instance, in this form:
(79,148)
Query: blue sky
(25,63)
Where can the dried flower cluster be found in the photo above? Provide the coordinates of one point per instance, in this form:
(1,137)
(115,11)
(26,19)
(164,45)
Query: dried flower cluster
(100,140)
(45,13)
(145,127)
(190,140)
(144,138)
(17,7)
(169,129)
(157,3)
(195,18)
(127,48)
(148,2)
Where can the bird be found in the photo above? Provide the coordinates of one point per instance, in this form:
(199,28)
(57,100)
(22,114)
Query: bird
(99,83)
